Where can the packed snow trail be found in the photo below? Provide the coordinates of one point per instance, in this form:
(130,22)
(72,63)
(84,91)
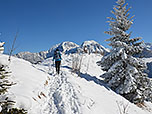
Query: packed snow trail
(62,96)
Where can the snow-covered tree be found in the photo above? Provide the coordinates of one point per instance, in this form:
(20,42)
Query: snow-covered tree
(5,103)
(124,72)
(4,86)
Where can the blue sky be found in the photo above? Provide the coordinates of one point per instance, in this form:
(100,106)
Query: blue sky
(44,23)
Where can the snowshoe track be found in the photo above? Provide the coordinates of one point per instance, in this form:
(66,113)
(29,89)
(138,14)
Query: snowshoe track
(63,97)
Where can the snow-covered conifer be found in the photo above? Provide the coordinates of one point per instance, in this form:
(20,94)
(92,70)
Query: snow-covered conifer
(125,73)
(5,103)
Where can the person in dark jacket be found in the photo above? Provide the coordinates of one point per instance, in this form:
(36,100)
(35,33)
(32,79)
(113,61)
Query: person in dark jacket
(57,57)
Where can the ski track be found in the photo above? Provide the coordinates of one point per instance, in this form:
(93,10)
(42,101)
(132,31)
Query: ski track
(62,96)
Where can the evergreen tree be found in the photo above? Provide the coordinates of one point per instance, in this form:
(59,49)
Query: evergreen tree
(5,102)
(124,72)
(4,86)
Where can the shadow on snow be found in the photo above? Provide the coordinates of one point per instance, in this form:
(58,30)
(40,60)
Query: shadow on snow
(94,79)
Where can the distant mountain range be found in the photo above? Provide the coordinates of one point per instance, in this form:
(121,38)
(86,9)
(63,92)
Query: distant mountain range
(66,48)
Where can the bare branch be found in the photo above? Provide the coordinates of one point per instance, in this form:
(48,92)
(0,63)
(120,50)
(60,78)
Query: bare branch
(12,49)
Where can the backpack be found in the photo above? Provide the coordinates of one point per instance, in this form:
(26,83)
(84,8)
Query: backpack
(57,55)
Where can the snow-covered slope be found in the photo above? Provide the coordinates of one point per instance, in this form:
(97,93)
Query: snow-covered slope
(30,82)
(41,91)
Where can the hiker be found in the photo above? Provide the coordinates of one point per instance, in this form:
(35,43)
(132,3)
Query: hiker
(57,58)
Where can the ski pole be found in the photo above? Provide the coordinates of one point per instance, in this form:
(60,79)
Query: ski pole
(53,66)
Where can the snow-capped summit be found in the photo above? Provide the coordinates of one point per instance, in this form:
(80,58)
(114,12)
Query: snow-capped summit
(94,47)
(66,46)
